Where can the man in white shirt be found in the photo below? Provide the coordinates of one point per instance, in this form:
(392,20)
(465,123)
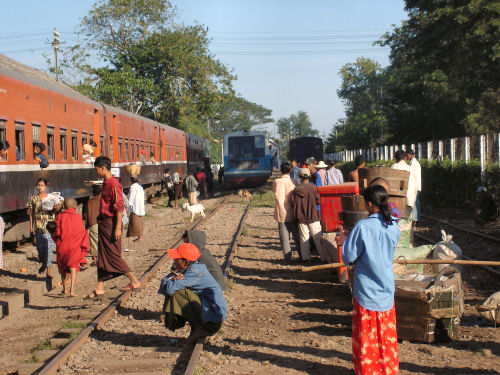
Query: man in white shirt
(416,174)
(402,165)
(334,175)
(137,209)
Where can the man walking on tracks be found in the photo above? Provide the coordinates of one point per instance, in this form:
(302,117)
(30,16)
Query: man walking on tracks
(110,263)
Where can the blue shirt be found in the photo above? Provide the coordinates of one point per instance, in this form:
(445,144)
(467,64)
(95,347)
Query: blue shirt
(294,174)
(370,246)
(200,281)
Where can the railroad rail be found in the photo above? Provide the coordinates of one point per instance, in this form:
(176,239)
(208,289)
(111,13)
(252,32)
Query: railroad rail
(52,366)
(490,270)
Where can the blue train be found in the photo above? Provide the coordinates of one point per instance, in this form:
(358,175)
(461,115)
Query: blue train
(247,158)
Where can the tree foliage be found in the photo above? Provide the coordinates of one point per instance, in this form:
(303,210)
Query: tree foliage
(443,79)
(235,113)
(114,26)
(298,125)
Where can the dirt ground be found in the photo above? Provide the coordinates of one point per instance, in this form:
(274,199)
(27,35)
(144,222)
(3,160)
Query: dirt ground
(33,325)
(282,321)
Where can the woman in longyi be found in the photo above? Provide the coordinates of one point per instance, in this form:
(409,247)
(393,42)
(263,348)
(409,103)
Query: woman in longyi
(370,248)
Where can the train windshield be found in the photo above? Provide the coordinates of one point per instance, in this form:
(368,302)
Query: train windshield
(247,147)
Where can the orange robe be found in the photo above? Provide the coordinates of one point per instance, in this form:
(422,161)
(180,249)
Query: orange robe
(72,241)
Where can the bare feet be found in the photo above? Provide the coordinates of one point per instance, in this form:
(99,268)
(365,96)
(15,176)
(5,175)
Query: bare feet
(138,239)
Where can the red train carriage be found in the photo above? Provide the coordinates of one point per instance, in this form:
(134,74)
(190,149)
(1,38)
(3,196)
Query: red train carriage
(34,108)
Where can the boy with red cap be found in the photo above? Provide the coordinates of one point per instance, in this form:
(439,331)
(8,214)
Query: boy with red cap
(192,295)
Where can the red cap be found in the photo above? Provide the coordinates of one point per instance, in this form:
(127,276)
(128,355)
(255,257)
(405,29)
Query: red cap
(186,250)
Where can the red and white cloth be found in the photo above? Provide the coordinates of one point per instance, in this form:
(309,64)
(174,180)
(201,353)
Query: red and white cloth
(374,341)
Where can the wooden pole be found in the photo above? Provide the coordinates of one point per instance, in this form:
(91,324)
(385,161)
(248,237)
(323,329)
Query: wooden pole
(413,261)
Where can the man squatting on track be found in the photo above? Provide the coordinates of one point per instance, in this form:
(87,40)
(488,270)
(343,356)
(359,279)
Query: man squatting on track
(110,263)
(192,295)
(370,248)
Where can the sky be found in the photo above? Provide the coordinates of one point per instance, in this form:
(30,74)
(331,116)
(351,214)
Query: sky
(286,53)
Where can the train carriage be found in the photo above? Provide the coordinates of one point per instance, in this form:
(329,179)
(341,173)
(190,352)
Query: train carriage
(247,159)
(305,147)
(34,108)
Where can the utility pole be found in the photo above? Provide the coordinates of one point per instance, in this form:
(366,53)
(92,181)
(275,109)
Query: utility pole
(55,44)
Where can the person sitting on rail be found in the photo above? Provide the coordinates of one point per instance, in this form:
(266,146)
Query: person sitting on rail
(283,212)
(72,243)
(199,239)
(305,201)
(370,248)
(334,175)
(360,162)
(192,295)
(38,148)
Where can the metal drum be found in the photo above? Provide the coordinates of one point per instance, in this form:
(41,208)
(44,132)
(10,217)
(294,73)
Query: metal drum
(398,180)
(353,210)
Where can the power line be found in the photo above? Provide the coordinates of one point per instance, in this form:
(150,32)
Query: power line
(310,52)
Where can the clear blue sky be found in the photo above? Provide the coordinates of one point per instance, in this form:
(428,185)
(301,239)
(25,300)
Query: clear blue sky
(286,53)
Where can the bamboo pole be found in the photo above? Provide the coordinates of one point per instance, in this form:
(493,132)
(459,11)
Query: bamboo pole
(413,261)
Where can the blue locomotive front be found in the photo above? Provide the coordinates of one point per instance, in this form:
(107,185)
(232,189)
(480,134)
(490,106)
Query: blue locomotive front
(247,159)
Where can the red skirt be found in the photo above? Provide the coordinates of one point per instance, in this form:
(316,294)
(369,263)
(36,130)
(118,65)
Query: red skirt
(374,341)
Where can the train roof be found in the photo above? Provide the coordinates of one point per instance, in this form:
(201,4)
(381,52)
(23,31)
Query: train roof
(244,132)
(18,71)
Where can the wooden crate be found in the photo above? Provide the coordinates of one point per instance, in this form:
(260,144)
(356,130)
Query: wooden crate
(429,311)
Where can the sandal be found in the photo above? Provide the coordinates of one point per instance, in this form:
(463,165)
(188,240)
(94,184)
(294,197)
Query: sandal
(94,296)
(130,287)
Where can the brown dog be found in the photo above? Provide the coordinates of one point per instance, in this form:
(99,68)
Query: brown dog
(247,196)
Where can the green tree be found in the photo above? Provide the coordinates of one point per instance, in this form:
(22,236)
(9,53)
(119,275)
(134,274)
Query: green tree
(114,26)
(235,113)
(297,125)
(444,72)
(362,89)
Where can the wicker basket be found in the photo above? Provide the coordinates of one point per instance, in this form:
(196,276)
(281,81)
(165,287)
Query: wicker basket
(133,169)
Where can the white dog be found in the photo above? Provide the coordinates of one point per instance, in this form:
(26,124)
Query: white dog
(196,209)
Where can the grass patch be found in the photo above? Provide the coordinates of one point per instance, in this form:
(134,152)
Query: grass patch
(263,197)
(72,324)
(42,345)
(158,207)
(229,284)
(74,335)
(33,359)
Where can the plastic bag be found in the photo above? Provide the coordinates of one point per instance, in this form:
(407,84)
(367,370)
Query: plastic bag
(490,309)
(447,250)
(51,200)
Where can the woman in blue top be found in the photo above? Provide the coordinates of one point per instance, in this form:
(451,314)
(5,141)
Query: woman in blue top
(370,247)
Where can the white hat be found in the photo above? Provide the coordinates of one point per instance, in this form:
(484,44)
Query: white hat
(322,164)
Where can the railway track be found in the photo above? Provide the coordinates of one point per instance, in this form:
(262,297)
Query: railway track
(185,361)
(462,235)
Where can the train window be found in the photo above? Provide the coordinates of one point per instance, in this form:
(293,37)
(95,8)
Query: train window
(111,149)
(50,142)
(35,129)
(137,149)
(126,150)
(132,149)
(74,145)
(102,145)
(63,142)
(20,151)
(3,134)
(120,149)
(84,139)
